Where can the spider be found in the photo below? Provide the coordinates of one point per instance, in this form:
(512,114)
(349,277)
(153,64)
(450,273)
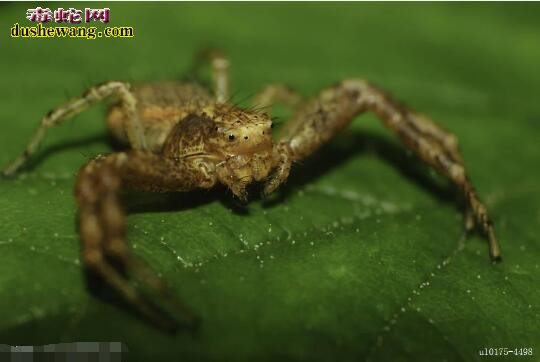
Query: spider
(183,137)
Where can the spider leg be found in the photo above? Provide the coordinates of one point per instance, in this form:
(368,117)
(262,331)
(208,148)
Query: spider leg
(282,160)
(316,122)
(219,64)
(276,93)
(220,74)
(265,99)
(102,223)
(94,259)
(76,106)
(112,220)
(429,128)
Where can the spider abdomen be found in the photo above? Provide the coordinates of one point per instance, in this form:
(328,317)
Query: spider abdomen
(160,106)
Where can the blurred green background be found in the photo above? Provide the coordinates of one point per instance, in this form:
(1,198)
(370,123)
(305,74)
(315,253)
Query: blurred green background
(362,256)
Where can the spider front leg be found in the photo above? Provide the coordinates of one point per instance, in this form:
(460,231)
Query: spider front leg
(76,106)
(282,161)
(324,116)
(102,222)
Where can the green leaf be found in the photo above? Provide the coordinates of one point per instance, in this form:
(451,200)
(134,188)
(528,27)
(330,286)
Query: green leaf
(361,256)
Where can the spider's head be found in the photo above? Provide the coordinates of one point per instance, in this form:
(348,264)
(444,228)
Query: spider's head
(246,136)
(241,132)
(238,141)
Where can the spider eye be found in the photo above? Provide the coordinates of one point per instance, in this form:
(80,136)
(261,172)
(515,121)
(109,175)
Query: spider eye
(231,137)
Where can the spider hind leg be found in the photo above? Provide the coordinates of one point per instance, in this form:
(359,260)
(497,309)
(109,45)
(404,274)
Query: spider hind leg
(76,106)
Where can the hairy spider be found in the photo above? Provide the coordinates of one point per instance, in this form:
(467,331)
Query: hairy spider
(183,138)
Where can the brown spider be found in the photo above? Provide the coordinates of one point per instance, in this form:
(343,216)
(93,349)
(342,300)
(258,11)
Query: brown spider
(184,138)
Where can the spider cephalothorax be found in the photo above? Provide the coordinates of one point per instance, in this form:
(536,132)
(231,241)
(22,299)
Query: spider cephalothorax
(181,138)
(232,144)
